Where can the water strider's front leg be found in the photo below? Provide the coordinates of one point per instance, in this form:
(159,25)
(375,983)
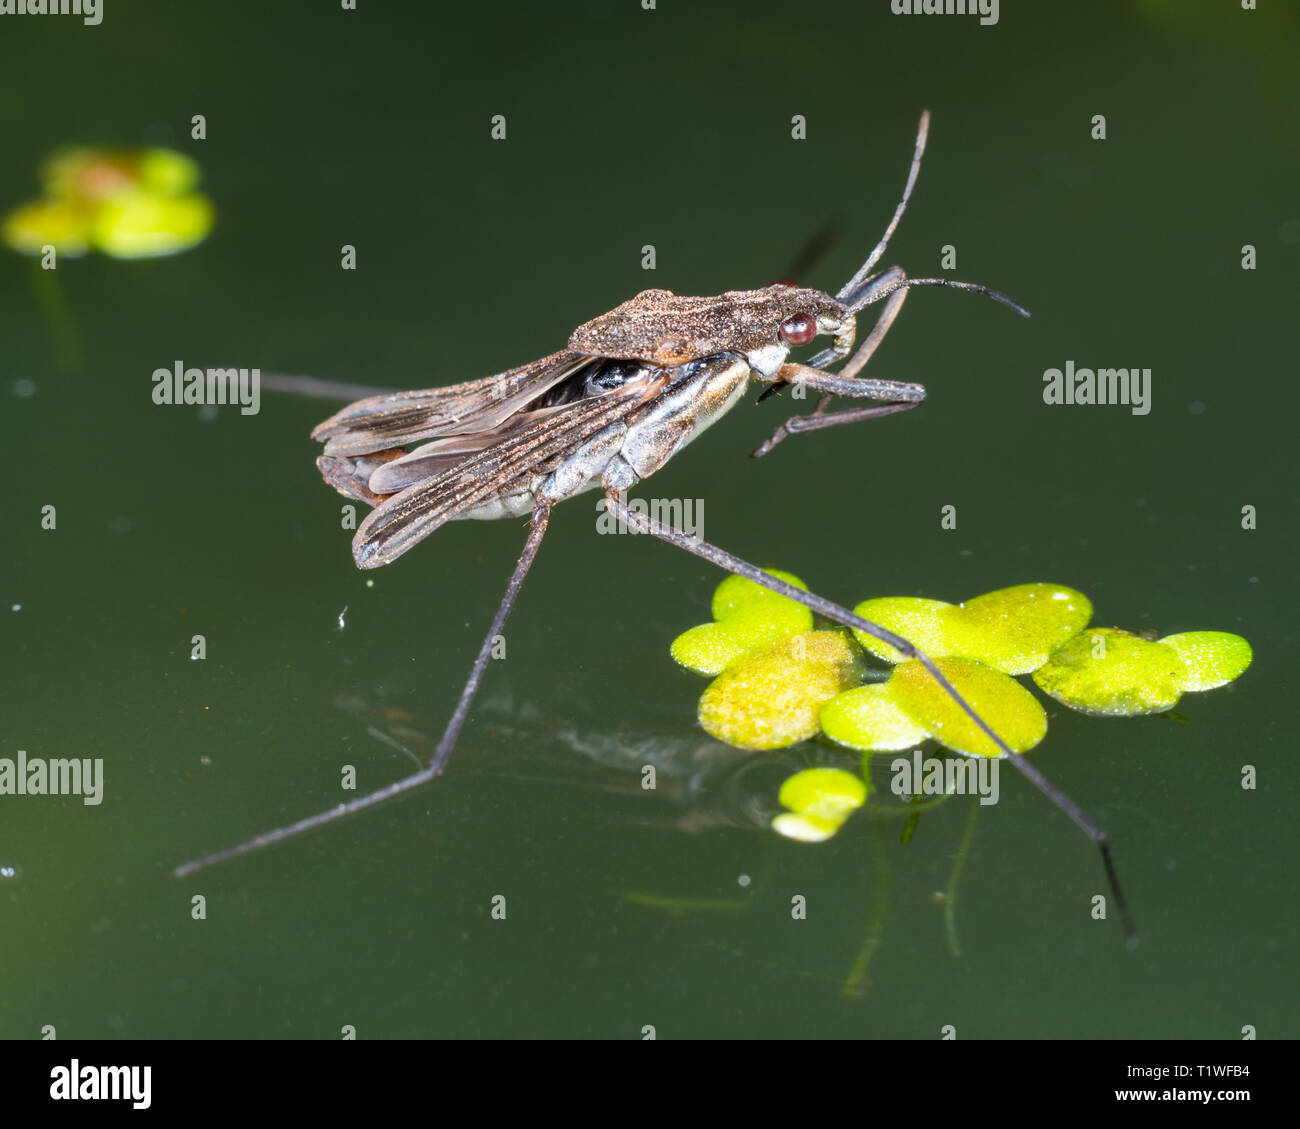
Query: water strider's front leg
(820,418)
(892,396)
(898,397)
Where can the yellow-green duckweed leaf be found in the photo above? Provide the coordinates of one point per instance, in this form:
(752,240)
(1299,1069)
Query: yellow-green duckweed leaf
(867,717)
(164,172)
(772,697)
(63,226)
(1212,658)
(1114,673)
(1012,629)
(738,596)
(1015,629)
(141,226)
(749,616)
(916,620)
(710,648)
(1013,712)
(820,800)
(828,792)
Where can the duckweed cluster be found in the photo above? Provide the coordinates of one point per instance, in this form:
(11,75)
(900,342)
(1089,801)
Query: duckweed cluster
(128,204)
(778,681)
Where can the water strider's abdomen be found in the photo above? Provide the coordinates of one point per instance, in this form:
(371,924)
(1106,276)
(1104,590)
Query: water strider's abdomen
(696,396)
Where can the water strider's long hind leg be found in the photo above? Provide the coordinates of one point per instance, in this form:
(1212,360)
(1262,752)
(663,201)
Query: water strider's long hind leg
(314,388)
(438,761)
(837,614)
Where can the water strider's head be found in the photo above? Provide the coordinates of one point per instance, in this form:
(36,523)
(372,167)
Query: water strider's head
(664,328)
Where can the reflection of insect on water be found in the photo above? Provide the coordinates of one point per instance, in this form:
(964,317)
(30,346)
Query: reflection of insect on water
(632,388)
(701,785)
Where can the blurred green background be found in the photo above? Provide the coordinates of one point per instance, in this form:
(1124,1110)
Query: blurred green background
(626,127)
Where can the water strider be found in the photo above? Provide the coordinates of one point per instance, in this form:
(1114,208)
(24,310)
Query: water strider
(631,389)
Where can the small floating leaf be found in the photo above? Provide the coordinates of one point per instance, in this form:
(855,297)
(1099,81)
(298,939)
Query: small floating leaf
(772,697)
(820,799)
(867,717)
(749,616)
(828,792)
(140,226)
(1212,658)
(917,620)
(164,172)
(740,596)
(1013,712)
(63,226)
(1114,673)
(1012,629)
(1015,629)
(710,648)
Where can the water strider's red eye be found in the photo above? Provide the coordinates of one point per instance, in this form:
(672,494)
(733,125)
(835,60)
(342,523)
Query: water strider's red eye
(798,329)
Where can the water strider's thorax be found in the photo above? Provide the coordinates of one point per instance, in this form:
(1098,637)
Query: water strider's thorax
(670,329)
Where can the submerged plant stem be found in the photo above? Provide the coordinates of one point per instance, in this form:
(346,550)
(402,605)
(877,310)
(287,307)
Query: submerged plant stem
(859,982)
(54,307)
(913,818)
(958,865)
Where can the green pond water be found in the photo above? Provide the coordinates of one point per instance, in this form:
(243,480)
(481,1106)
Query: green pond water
(625,909)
